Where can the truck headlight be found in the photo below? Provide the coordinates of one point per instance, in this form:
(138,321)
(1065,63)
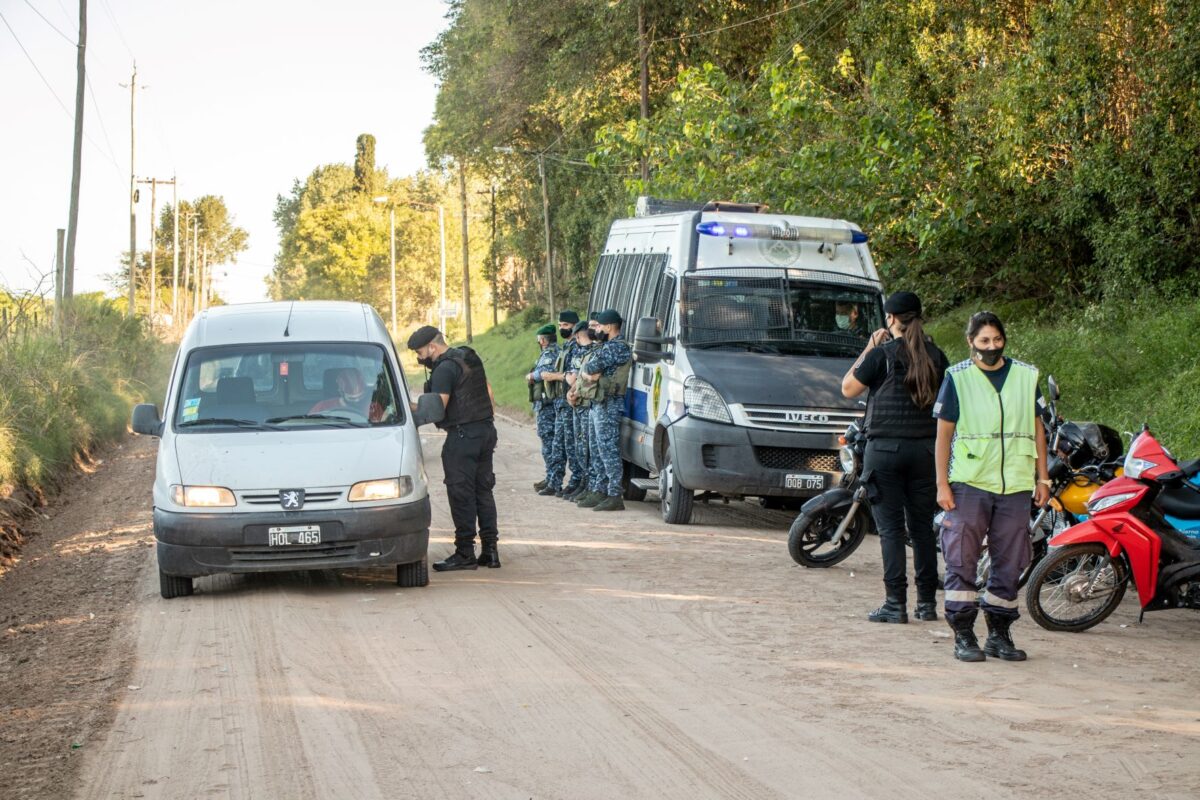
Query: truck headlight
(849,460)
(702,401)
(202,496)
(383,489)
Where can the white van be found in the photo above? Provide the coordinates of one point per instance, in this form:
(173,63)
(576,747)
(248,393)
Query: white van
(743,324)
(287,443)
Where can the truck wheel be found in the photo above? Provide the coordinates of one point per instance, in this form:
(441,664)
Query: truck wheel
(412,575)
(633,471)
(675,501)
(173,585)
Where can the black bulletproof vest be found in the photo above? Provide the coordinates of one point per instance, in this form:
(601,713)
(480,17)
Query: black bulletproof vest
(891,413)
(469,401)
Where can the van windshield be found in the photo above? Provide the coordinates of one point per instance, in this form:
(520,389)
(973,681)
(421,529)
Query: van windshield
(778,314)
(287,387)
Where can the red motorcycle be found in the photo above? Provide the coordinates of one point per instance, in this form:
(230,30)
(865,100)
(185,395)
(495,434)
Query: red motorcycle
(1127,537)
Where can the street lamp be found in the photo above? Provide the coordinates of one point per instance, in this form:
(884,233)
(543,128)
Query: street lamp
(392,240)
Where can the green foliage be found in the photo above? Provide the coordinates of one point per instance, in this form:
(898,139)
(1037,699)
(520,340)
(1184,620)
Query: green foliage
(364,164)
(223,239)
(65,392)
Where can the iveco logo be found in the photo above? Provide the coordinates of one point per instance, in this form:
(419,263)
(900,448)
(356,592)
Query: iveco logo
(804,416)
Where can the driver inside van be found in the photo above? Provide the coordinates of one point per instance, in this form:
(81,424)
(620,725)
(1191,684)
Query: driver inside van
(848,318)
(352,395)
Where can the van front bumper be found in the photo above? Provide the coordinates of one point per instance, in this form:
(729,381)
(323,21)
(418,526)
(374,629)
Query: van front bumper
(191,545)
(752,462)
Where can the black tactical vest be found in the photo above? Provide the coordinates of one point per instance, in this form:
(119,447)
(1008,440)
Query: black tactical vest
(469,400)
(891,413)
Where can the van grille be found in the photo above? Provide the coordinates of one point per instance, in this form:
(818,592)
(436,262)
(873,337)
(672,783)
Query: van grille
(798,420)
(311,497)
(319,552)
(798,458)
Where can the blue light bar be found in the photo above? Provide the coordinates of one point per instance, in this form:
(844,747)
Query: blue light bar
(785,232)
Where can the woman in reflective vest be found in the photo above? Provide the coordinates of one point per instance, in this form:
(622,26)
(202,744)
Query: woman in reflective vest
(991,456)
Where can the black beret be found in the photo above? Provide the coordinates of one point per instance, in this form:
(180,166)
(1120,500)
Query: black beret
(568,316)
(422,336)
(609,316)
(903,303)
(579,326)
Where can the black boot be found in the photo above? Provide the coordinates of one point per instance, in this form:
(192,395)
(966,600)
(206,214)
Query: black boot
(461,558)
(537,487)
(549,491)
(999,642)
(966,646)
(489,556)
(893,610)
(926,610)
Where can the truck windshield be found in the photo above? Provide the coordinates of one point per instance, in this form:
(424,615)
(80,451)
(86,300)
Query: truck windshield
(287,387)
(778,314)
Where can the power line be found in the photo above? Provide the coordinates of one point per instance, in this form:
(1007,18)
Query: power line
(733,25)
(53,27)
(33,64)
(99,116)
(117,27)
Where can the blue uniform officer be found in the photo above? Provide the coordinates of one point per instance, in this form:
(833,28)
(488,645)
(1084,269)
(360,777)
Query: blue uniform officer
(610,368)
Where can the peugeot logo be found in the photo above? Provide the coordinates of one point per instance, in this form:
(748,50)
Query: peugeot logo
(804,416)
(291,499)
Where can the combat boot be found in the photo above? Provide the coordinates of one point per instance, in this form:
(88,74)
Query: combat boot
(575,493)
(926,609)
(999,642)
(537,487)
(489,556)
(589,500)
(966,646)
(610,503)
(461,558)
(893,610)
(548,491)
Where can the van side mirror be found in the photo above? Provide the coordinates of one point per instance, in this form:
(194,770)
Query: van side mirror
(648,341)
(429,409)
(145,420)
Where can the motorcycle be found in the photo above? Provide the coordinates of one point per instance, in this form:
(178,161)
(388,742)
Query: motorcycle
(1127,537)
(833,524)
(1083,456)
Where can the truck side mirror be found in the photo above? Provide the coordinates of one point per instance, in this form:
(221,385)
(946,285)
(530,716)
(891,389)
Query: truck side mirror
(429,409)
(145,420)
(648,341)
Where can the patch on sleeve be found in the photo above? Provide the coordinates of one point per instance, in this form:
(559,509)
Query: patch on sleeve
(937,408)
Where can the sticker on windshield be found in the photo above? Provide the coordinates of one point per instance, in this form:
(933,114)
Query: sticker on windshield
(191,408)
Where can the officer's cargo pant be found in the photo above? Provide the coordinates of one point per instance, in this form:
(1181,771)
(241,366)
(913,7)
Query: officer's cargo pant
(467,463)
(545,432)
(606,421)
(902,487)
(562,452)
(1001,519)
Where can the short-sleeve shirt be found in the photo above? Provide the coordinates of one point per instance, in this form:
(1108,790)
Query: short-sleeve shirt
(947,407)
(445,377)
(873,369)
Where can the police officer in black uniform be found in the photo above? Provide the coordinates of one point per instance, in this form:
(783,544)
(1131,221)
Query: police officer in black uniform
(457,376)
(903,369)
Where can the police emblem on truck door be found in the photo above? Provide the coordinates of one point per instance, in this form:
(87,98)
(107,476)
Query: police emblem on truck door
(291,499)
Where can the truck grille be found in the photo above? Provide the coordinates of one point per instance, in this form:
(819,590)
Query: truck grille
(798,458)
(796,420)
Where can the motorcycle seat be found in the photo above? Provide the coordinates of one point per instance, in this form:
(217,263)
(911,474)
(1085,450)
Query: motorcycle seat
(1190,468)
(1180,501)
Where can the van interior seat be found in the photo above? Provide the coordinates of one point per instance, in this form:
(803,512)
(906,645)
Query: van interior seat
(233,398)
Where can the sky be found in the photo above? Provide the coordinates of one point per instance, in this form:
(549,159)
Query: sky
(241,98)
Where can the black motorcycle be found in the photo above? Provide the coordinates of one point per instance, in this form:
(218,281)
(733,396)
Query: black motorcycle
(832,525)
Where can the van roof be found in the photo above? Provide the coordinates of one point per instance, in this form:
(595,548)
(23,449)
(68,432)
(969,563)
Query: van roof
(304,321)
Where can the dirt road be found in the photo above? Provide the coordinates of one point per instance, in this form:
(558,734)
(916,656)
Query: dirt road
(614,656)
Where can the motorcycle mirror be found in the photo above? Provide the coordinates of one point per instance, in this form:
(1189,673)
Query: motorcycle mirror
(1053,386)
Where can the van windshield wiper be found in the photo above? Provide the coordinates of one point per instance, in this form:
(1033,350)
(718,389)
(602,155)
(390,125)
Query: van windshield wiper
(321,418)
(227,421)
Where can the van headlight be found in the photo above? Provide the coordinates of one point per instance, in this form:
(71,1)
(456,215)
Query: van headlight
(383,489)
(702,401)
(202,496)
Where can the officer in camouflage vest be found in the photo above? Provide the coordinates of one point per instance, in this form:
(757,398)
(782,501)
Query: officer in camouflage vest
(543,404)
(562,450)
(580,416)
(603,380)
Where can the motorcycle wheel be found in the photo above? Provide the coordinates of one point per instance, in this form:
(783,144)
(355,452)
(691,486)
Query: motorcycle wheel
(1055,593)
(983,569)
(810,535)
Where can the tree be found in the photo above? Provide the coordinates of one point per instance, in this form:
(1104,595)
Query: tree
(364,165)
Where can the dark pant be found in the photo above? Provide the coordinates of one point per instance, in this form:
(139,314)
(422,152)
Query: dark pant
(902,488)
(467,464)
(1002,519)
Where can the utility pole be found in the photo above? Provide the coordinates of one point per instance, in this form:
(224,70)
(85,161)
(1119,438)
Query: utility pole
(76,156)
(206,281)
(154,182)
(132,193)
(462,193)
(442,234)
(175,252)
(546,220)
(196,268)
(58,275)
(644,58)
(392,242)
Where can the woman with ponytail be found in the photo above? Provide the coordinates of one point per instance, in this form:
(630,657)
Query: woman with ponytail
(903,369)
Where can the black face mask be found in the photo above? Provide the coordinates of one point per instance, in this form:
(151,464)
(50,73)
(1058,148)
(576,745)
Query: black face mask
(989,358)
(564,333)
(600,336)
(426,362)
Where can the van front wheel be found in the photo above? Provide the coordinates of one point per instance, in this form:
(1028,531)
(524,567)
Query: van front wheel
(170,586)
(412,575)
(676,501)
